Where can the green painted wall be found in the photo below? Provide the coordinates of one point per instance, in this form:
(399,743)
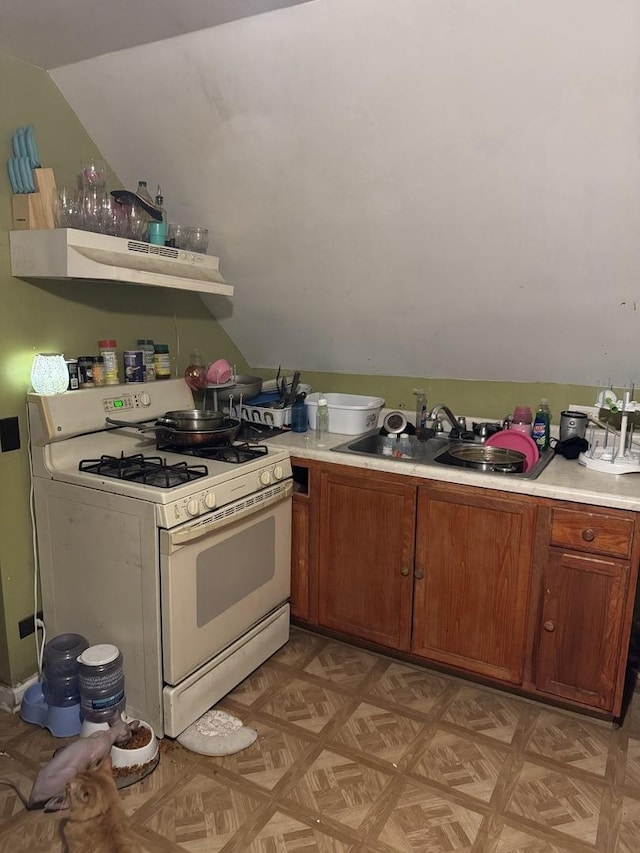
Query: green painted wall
(66,317)
(490,400)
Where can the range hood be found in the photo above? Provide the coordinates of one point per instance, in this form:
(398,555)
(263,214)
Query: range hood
(68,253)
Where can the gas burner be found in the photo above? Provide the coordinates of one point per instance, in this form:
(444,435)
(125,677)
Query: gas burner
(149,470)
(233,452)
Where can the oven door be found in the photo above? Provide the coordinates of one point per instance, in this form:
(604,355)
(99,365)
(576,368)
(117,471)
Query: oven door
(222,574)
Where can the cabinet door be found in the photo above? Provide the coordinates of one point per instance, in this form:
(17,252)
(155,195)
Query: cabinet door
(473,570)
(300,558)
(365,556)
(583,611)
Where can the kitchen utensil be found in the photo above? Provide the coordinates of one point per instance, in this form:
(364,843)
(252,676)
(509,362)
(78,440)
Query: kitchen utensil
(16,175)
(292,389)
(394,423)
(510,439)
(13,179)
(32,148)
(487,458)
(572,424)
(196,377)
(131,198)
(248,386)
(486,428)
(219,372)
(24,164)
(226,432)
(193,419)
(22,145)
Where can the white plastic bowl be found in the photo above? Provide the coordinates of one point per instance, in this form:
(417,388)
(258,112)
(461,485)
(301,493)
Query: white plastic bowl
(121,757)
(349,414)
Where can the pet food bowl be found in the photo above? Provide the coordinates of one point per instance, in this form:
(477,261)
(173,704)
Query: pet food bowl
(61,722)
(122,757)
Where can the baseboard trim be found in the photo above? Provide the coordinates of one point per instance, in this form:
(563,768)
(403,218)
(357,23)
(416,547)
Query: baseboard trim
(11,697)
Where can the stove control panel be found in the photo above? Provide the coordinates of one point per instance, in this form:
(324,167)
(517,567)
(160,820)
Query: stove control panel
(206,501)
(127,402)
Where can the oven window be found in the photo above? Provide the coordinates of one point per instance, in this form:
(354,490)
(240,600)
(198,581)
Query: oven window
(229,571)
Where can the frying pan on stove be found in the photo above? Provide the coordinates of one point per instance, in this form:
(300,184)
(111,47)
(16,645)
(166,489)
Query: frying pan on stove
(165,431)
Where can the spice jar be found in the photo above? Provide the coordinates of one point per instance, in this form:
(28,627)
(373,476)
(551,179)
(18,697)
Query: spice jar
(85,371)
(109,354)
(147,347)
(162,361)
(72,366)
(98,370)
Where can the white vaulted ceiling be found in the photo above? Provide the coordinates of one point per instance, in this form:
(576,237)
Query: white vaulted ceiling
(420,188)
(50,33)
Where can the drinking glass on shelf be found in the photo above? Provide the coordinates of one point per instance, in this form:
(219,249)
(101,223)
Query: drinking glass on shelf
(65,208)
(92,203)
(94,174)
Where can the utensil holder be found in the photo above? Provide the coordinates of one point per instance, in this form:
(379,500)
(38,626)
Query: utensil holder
(34,211)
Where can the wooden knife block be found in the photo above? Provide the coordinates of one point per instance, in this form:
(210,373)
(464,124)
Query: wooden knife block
(35,210)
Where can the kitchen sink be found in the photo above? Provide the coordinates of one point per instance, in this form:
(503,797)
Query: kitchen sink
(430,451)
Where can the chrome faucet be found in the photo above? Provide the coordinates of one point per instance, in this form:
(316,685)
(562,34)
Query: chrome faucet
(455,426)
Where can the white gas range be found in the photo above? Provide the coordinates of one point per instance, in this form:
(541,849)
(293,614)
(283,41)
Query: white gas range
(181,561)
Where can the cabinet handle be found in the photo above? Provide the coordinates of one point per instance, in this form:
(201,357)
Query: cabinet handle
(549,625)
(588,534)
(404,571)
(418,574)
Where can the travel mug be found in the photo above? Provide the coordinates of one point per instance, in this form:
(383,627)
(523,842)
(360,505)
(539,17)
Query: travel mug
(572,424)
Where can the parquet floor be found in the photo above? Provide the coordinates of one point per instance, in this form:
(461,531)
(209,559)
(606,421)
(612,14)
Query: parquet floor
(358,753)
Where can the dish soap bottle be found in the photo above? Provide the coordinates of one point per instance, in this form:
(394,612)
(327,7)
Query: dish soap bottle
(541,431)
(322,420)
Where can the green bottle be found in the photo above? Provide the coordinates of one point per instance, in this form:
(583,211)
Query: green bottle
(541,430)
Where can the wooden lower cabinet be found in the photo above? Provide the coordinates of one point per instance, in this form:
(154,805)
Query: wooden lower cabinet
(365,555)
(533,593)
(586,570)
(582,618)
(473,570)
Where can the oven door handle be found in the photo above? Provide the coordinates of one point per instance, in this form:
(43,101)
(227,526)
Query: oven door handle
(226,515)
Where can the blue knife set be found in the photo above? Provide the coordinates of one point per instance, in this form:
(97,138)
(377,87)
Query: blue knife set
(25,159)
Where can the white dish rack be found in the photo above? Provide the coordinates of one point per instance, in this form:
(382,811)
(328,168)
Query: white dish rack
(261,415)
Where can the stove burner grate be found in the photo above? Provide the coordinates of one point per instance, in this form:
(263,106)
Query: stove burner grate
(234,452)
(149,470)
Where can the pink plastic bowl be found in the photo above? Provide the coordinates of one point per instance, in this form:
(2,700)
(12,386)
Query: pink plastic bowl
(219,372)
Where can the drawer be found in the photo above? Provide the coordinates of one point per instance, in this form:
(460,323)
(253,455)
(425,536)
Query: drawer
(597,534)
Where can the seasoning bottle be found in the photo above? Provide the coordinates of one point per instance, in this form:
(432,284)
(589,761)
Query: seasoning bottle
(521,420)
(541,431)
(72,366)
(162,361)
(98,370)
(322,420)
(148,348)
(85,371)
(110,356)
(299,414)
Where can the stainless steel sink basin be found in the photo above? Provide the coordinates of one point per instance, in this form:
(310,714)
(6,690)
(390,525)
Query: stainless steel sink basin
(432,451)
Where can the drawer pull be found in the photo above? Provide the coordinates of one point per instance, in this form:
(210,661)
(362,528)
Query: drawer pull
(418,574)
(588,534)
(549,626)
(404,571)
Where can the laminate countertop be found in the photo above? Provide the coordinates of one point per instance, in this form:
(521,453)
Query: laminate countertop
(562,479)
